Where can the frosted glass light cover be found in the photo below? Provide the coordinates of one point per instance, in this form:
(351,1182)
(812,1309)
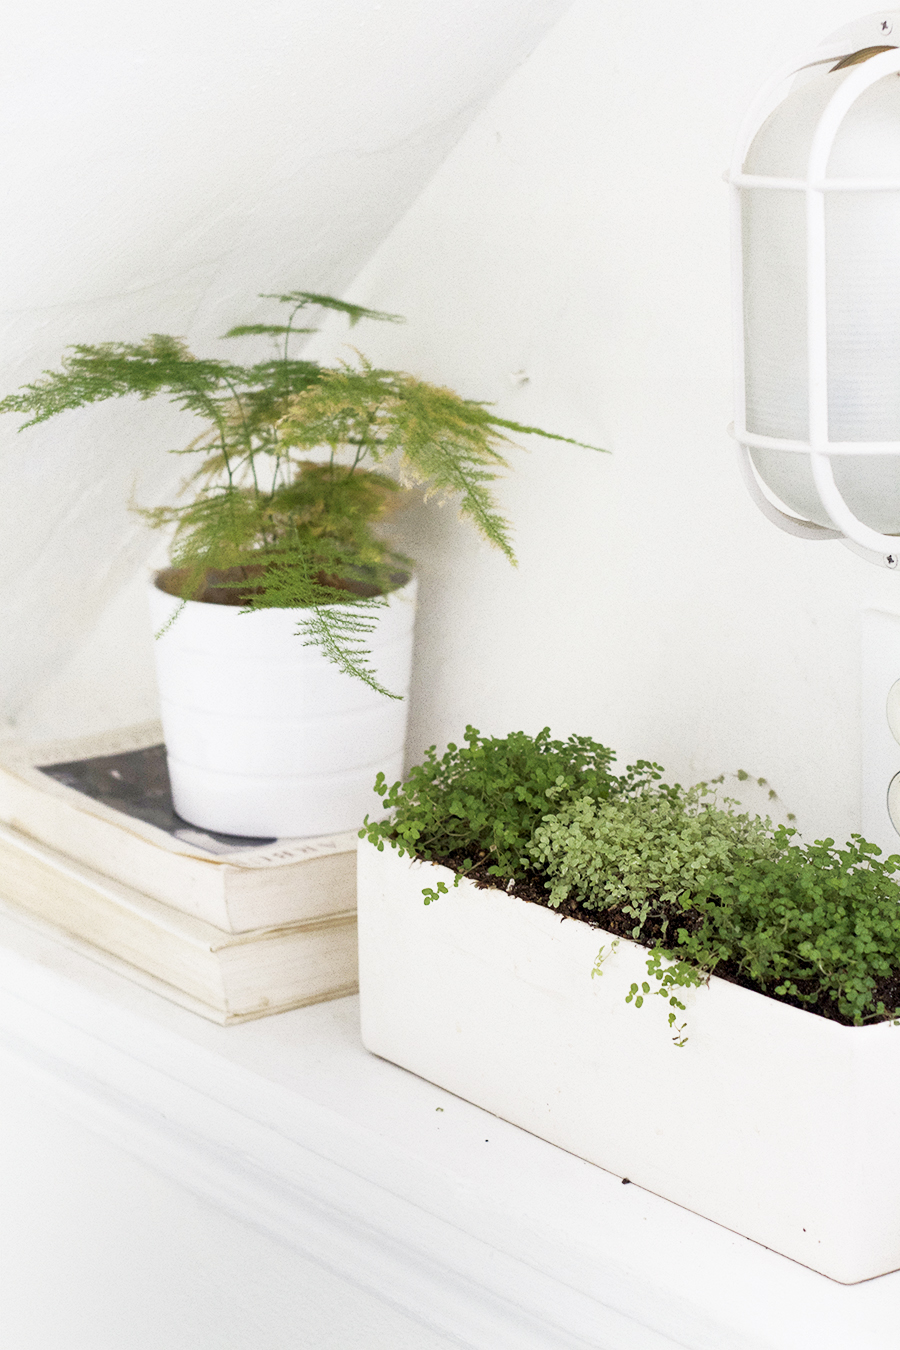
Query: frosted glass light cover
(863,298)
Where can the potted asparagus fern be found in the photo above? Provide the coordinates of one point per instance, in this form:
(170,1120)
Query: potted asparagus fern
(285,620)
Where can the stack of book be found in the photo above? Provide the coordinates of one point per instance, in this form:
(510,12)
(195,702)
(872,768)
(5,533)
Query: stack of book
(91,851)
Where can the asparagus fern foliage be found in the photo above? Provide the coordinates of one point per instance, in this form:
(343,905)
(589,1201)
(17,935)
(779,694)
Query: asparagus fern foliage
(264,523)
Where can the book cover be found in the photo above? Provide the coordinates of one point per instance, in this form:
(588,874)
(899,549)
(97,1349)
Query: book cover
(105,801)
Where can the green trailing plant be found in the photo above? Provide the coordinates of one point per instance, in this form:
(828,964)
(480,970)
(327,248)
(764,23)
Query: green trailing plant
(263,524)
(773,801)
(479,803)
(816,924)
(708,889)
(704,887)
(644,855)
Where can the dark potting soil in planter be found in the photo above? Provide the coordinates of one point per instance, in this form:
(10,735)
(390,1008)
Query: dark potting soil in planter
(612,920)
(235,585)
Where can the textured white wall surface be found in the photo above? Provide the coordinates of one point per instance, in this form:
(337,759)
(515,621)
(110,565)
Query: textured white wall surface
(577,232)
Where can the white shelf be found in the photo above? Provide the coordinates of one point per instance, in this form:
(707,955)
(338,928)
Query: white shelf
(468,1225)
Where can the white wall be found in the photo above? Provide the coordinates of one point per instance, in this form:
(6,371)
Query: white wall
(162,164)
(579,232)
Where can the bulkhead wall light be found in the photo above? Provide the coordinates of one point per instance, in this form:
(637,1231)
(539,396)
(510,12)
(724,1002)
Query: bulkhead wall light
(815,182)
(816,193)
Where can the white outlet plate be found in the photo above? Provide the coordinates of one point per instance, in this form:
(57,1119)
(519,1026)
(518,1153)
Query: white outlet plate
(880,751)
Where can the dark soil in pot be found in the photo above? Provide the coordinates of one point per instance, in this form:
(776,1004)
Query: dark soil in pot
(234,585)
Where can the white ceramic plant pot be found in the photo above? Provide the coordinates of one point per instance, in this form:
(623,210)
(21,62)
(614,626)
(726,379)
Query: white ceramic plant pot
(265,736)
(771,1121)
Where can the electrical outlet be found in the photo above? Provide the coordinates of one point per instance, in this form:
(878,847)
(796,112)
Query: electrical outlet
(880,749)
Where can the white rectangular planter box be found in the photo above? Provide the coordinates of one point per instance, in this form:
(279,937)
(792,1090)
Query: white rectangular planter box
(776,1123)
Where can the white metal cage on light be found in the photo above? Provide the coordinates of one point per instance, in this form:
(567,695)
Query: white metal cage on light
(826,101)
